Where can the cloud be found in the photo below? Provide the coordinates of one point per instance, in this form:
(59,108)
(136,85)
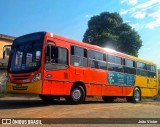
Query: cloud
(146,48)
(147,4)
(139,15)
(129,2)
(142,7)
(155,14)
(128,21)
(134,26)
(153,24)
(123,12)
(88,16)
(149,10)
(137,25)
(156,22)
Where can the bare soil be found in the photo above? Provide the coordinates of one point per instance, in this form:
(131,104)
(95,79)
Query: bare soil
(19,106)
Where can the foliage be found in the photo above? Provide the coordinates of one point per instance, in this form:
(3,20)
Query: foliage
(109,30)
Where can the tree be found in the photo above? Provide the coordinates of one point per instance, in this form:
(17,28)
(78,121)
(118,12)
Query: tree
(109,30)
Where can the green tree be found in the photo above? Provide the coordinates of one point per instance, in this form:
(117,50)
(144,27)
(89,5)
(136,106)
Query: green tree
(109,30)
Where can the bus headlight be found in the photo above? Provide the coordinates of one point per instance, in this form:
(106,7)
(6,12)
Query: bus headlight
(37,77)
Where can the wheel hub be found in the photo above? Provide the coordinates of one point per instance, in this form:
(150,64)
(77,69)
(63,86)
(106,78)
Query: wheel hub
(76,94)
(137,95)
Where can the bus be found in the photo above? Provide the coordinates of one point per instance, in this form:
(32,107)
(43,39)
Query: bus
(52,67)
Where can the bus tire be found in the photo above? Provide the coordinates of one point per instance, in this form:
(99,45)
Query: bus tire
(136,97)
(47,98)
(108,99)
(77,95)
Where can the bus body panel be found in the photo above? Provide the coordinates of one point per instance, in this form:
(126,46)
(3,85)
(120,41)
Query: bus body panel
(56,88)
(141,81)
(97,76)
(149,92)
(127,90)
(113,90)
(79,74)
(152,82)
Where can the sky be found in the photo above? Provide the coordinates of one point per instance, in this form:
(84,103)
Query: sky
(69,18)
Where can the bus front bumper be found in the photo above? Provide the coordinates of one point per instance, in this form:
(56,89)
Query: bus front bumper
(31,88)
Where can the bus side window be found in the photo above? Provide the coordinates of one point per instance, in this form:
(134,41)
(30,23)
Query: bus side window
(129,66)
(78,56)
(141,69)
(115,63)
(51,54)
(47,54)
(97,60)
(56,57)
(151,71)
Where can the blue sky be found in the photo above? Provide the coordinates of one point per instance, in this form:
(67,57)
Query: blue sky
(69,18)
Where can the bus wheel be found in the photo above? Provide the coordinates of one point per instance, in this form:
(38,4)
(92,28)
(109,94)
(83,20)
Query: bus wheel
(136,95)
(108,98)
(77,95)
(47,98)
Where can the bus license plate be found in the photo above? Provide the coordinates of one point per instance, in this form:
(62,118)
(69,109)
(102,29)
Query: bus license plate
(18,85)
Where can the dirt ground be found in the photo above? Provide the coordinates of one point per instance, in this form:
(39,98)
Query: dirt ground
(32,107)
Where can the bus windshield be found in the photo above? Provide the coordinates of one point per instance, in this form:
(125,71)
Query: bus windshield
(26,53)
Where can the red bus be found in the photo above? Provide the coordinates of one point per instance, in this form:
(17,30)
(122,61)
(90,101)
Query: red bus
(53,67)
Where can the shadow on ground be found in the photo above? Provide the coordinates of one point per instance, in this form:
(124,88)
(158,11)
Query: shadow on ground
(18,102)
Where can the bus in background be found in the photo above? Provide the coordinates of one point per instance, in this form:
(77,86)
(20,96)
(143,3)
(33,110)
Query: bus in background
(53,67)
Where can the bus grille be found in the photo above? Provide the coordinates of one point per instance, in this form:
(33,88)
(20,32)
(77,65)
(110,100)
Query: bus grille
(21,77)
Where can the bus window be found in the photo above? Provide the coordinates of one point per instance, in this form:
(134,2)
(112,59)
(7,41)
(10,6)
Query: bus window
(78,56)
(151,71)
(115,63)
(129,66)
(114,59)
(141,69)
(114,67)
(129,63)
(97,60)
(56,57)
(141,66)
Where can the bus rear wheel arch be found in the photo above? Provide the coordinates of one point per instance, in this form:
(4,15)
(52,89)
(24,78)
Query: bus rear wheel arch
(77,94)
(136,96)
